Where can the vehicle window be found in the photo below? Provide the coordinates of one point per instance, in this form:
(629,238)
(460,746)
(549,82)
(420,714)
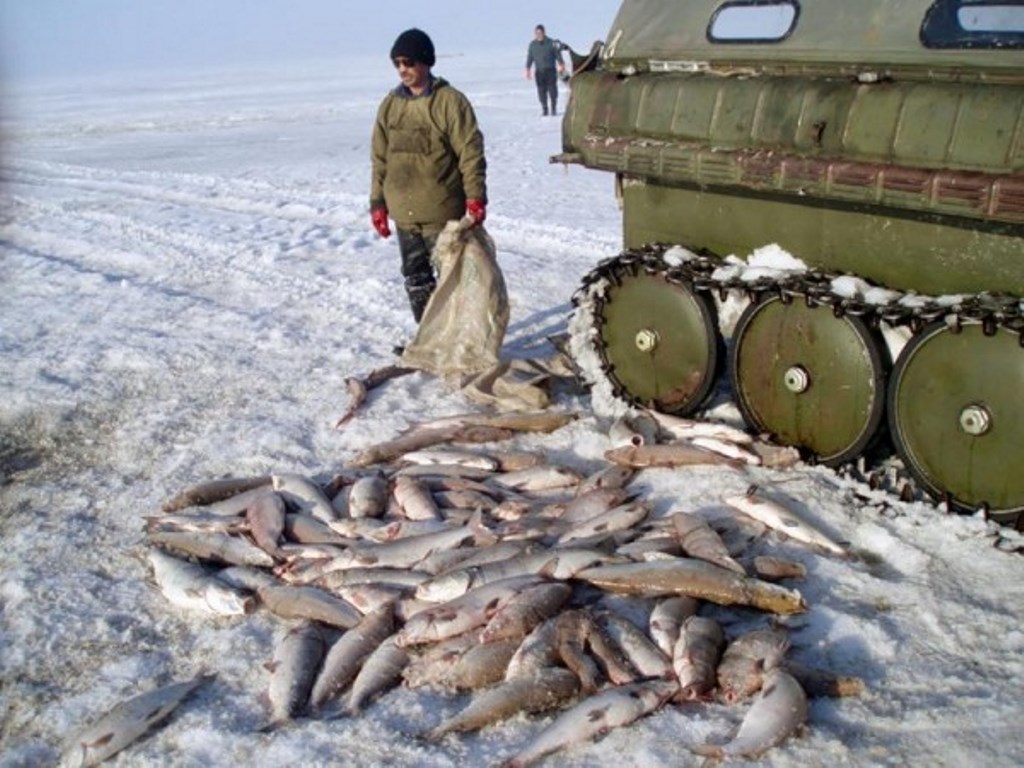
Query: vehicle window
(991,18)
(753,21)
(973,24)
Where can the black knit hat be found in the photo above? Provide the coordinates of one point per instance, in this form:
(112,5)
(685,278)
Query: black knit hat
(414,44)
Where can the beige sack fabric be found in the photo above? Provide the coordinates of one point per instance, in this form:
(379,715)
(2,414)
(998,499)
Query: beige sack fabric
(513,385)
(463,326)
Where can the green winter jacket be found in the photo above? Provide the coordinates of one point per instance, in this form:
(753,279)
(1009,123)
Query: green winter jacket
(427,156)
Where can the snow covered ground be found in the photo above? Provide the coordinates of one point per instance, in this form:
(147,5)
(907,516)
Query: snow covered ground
(188,275)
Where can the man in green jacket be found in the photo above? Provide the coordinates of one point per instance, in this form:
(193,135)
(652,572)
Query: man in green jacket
(428,164)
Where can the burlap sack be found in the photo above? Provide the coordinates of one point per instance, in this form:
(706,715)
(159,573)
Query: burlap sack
(463,325)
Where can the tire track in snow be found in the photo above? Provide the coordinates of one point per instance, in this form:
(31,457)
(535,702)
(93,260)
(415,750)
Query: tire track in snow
(117,221)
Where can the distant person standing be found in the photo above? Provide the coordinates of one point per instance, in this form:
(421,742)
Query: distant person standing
(428,165)
(545,56)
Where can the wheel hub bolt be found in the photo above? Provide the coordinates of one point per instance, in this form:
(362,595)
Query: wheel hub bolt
(646,340)
(796,379)
(975,420)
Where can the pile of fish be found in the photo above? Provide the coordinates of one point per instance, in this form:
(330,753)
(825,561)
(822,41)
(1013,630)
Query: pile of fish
(427,562)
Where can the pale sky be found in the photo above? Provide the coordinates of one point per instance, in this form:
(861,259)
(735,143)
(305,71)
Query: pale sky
(62,37)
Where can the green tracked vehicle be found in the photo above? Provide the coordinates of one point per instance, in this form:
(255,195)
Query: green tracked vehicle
(881,144)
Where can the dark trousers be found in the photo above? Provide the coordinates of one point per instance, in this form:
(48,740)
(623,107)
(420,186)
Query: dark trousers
(416,246)
(547,89)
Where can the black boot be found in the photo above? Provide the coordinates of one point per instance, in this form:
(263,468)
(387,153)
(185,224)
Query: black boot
(417,270)
(419,296)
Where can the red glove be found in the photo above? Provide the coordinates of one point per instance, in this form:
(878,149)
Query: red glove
(477,211)
(379,217)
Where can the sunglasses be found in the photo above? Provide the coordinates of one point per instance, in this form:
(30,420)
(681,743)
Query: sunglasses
(401,61)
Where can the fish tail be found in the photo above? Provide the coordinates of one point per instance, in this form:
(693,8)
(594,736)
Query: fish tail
(432,736)
(713,751)
(271,727)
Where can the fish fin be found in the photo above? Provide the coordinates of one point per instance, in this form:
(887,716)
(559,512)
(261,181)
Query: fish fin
(101,741)
(549,569)
(281,723)
(483,535)
(713,751)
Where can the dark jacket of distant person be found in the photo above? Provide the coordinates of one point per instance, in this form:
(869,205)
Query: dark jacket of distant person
(544,55)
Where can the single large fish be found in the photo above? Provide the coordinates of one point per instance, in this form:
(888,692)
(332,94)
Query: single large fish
(726,448)
(207,493)
(699,540)
(407,552)
(643,655)
(540,691)
(574,630)
(461,663)
(696,655)
(359,388)
(125,723)
(310,603)
(666,619)
(596,716)
(346,655)
(666,455)
(218,547)
(778,517)
(776,714)
(685,429)
(554,564)
(305,496)
(545,477)
(524,611)
(512,460)
(293,669)
(266,516)
(191,586)
(620,518)
(517,421)
(367,598)
(413,496)
(399,578)
(246,577)
(451,456)
(237,504)
(426,438)
(611,477)
(306,529)
(538,650)
(586,506)
(196,519)
(381,671)
(368,497)
(742,668)
(471,610)
(696,578)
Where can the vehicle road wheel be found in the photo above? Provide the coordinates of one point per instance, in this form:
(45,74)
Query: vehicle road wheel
(956,413)
(810,379)
(661,343)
